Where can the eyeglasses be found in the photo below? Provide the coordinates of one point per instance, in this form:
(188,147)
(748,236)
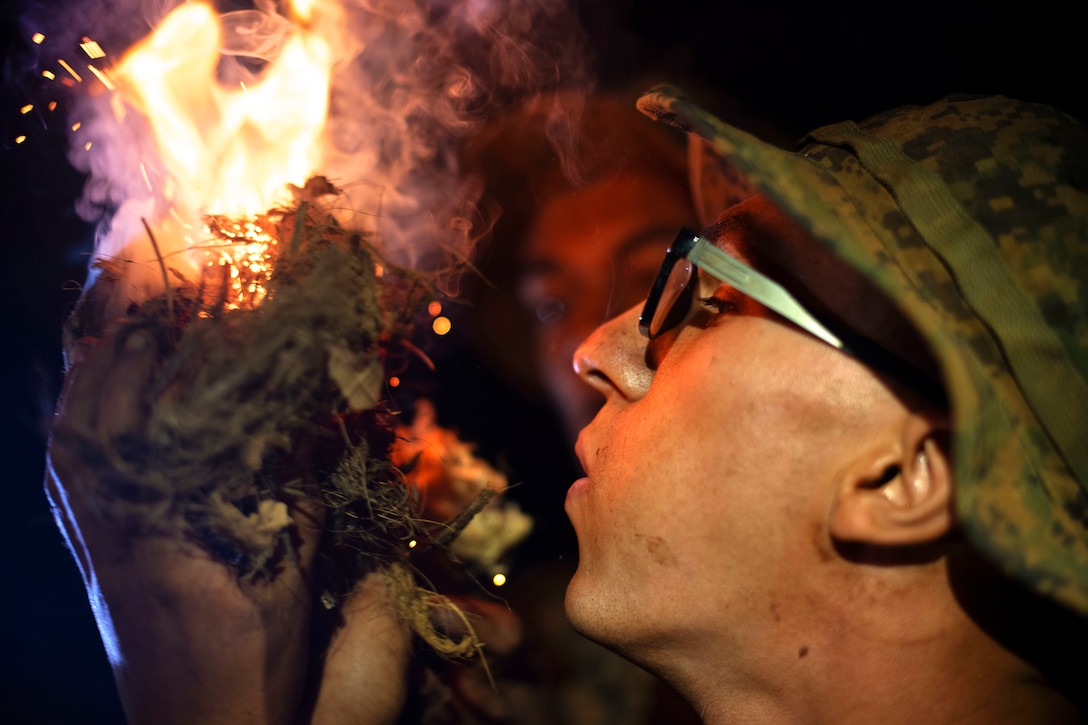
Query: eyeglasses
(673,290)
(671,294)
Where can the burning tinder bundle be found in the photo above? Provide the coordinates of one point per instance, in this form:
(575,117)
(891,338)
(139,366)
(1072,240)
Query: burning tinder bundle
(267,399)
(272,317)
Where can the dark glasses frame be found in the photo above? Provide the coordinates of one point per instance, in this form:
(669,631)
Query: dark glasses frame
(673,284)
(671,294)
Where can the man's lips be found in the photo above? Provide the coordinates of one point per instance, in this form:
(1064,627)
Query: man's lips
(576,489)
(579,451)
(580,446)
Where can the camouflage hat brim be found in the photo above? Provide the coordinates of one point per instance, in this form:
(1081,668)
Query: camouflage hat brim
(991,273)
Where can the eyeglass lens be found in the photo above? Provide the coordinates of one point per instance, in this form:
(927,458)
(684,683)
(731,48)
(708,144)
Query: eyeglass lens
(675,298)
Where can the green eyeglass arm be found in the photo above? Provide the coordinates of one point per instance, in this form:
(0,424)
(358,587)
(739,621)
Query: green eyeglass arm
(770,294)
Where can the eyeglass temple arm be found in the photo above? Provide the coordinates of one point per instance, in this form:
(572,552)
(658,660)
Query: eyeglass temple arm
(763,290)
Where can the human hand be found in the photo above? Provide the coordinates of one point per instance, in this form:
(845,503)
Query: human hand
(362,678)
(189,641)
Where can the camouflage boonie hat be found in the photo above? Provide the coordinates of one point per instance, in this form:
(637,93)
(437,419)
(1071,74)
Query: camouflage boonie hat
(972,215)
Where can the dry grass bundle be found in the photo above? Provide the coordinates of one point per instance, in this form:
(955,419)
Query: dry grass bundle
(257,407)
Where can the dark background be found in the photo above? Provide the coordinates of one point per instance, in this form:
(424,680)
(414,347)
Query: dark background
(796,65)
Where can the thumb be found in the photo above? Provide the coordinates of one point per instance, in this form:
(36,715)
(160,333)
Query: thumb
(365,669)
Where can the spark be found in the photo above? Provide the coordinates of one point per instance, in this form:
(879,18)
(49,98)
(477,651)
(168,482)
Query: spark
(49,74)
(87,146)
(433,308)
(182,222)
(52,105)
(248,257)
(20,139)
(26,109)
(394,382)
(143,170)
(441,325)
(37,38)
(71,71)
(499,579)
(76,125)
(102,77)
(92,48)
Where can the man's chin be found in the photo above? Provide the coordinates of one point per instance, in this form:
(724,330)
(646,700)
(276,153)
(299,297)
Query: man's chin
(590,613)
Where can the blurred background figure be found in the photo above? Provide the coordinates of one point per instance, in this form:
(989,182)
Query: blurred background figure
(589,193)
(581,193)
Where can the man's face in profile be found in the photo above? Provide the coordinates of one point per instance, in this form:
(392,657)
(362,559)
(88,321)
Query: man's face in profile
(711,468)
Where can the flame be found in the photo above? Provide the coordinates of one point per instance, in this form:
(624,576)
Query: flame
(218,114)
(225,152)
(233,149)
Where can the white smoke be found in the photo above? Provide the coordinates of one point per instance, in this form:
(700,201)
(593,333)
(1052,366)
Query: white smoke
(411,80)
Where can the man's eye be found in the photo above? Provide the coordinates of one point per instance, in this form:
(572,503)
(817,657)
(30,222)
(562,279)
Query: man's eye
(719,305)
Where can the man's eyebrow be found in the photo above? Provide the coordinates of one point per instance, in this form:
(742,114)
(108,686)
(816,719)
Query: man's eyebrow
(726,234)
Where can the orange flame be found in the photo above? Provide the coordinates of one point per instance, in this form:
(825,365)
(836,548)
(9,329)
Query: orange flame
(232,149)
(228,151)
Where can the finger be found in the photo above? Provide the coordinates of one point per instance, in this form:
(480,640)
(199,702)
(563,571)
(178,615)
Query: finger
(77,351)
(364,675)
(493,623)
(87,384)
(123,393)
(65,520)
(309,517)
(86,415)
(78,401)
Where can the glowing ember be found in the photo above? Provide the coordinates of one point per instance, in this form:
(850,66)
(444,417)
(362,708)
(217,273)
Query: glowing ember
(441,325)
(92,49)
(449,477)
(100,75)
(248,253)
(71,71)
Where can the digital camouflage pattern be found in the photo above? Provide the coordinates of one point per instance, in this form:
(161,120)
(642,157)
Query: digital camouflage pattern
(972,214)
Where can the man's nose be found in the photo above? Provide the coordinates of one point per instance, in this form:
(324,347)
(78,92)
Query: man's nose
(612,359)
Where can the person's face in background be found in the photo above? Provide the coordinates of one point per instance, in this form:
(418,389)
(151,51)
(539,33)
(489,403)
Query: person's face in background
(589,254)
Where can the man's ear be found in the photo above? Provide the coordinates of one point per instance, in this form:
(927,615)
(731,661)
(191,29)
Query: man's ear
(899,494)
